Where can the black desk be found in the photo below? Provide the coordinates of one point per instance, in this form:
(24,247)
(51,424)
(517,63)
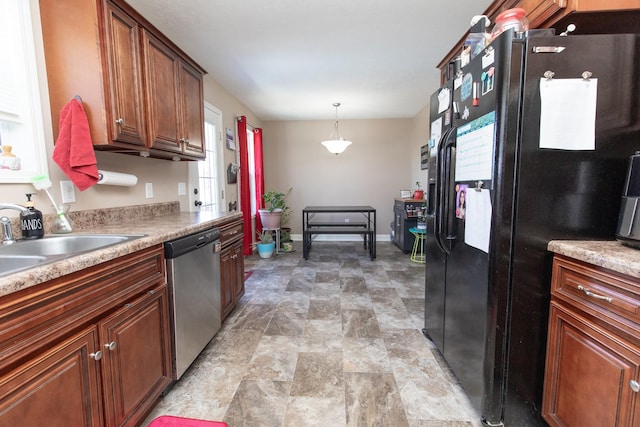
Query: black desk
(366,228)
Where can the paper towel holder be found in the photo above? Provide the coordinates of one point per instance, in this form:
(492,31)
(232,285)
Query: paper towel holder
(116,178)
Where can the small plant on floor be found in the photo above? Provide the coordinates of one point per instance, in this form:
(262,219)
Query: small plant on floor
(264,236)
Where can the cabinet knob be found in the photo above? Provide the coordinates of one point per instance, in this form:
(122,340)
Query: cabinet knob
(182,140)
(110,346)
(97,355)
(119,122)
(634,385)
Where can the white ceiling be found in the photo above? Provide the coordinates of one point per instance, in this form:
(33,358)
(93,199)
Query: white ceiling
(292,59)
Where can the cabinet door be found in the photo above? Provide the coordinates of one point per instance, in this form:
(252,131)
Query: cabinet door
(60,388)
(588,375)
(192,111)
(227,281)
(137,359)
(238,270)
(125,93)
(161,72)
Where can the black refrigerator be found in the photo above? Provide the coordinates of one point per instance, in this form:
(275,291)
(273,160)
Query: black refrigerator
(530,142)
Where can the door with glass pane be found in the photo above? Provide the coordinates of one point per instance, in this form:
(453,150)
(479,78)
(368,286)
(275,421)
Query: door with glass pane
(206,176)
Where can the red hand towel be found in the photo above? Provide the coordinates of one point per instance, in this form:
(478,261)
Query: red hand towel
(74,150)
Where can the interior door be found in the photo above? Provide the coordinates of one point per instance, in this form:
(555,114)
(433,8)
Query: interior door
(206,177)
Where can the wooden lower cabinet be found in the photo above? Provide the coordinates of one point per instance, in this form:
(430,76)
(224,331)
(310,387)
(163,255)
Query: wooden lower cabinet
(60,388)
(231,265)
(592,373)
(106,356)
(589,374)
(232,277)
(136,366)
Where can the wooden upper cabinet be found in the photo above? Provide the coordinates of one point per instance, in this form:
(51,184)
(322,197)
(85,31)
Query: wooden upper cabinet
(126,97)
(176,104)
(161,71)
(192,108)
(129,75)
(590,16)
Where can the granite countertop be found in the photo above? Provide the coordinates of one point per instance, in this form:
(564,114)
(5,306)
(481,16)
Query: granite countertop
(609,254)
(156,230)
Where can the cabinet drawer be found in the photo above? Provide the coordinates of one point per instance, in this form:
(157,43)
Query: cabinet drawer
(598,291)
(231,232)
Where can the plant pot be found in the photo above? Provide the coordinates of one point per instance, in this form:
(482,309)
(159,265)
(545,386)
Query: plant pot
(265,250)
(270,219)
(418,194)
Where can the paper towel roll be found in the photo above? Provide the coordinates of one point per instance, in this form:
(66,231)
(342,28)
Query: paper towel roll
(117,178)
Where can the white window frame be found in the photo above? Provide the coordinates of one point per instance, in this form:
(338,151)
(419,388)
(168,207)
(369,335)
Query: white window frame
(27,137)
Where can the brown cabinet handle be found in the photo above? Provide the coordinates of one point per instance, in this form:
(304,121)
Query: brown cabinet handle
(588,293)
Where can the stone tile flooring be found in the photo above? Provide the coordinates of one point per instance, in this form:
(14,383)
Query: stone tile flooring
(332,341)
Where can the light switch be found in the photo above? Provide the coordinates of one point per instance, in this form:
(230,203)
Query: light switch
(182,189)
(148,187)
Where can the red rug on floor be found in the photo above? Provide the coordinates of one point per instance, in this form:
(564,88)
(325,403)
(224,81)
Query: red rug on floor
(247,274)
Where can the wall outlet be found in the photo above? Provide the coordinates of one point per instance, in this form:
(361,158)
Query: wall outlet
(182,189)
(148,188)
(68,192)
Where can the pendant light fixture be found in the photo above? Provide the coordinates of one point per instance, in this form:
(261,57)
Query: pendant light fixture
(336,144)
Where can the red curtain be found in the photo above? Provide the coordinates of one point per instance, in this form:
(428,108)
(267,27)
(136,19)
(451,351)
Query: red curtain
(259,184)
(245,192)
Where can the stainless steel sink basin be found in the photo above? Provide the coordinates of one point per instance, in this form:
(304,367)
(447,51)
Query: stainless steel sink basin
(13,263)
(29,253)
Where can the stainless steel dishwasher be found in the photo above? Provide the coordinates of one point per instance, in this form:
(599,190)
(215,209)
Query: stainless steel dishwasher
(193,274)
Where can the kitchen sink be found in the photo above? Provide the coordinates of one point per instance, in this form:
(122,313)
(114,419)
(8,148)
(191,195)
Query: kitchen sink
(25,254)
(13,263)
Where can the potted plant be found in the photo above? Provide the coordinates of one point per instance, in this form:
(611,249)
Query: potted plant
(422,217)
(419,193)
(265,244)
(274,207)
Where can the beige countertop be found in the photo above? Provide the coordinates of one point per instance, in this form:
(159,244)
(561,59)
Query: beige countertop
(156,230)
(609,254)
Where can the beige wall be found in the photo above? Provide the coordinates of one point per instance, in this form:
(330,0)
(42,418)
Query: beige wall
(383,159)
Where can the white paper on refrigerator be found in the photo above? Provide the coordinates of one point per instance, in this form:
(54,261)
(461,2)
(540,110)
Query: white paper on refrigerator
(568,113)
(477,227)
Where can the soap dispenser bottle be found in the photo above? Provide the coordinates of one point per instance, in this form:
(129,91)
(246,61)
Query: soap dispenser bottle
(31,222)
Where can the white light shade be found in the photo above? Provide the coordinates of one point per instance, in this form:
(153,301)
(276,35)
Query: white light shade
(336,146)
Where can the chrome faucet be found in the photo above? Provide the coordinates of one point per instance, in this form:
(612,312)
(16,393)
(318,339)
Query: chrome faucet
(6,222)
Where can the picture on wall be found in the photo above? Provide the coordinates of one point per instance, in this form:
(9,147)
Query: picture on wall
(424,157)
(231,143)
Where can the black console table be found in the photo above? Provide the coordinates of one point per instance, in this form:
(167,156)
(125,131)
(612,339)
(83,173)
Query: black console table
(365,228)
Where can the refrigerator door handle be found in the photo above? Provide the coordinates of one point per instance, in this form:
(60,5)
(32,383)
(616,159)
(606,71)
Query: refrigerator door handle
(438,192)
(449,230)
(443,173)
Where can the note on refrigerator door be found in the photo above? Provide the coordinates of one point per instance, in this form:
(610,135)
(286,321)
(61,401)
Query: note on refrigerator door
(477,228)
(568,113)
(444,99)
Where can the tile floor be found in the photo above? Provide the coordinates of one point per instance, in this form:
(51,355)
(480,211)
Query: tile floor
(332,341)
